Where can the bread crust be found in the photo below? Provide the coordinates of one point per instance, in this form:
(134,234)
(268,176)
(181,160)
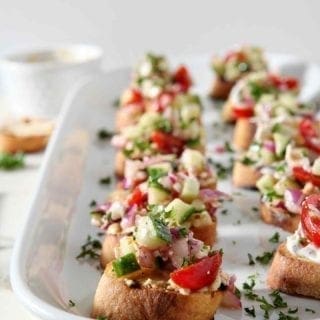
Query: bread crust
(120,162)
(285,220)
(294,275)
(227,112)
(243,133)
(115,300)
(221,88)
(244,176)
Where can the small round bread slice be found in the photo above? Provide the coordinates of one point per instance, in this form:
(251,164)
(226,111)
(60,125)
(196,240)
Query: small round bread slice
(25,135)
(294,275)
(283,219)
(221,88)
(116,300)
(244,176)
(243,133)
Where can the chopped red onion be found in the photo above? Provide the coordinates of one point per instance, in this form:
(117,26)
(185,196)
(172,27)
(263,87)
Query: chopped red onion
(293,199)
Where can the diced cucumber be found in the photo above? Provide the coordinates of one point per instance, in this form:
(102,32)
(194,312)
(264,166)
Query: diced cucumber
(265,183)
(163,166)
(152,233)
(157,195)
(316,167)
(180,211)
(149,119)
(190,112)
(281,141)
(267,156)
(190,189)
(126,245)
(283,184)
(192,160)
(126,264)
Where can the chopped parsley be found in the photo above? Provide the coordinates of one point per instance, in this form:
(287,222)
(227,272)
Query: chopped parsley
(251,261)
(116,103)
(224,211)
(292,311)
(11,161)
(283,316)
(154,175)
(102,318)
(250,311)
(71,303)
(90,250)
(275,238)
(309,310)
(247,161)
(222,170)
(163,125)
(227,147)
(255,209)
(93,203)
(265,258)
(105,180)
(104,134)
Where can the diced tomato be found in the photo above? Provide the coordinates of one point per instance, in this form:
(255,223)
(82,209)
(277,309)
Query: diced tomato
(284,83)
(198,275)
(137,197)
(309,132)
(131,96)
(163,101)
(304,176)
(235,55)
(167,143)
(243,112)
(310,218)
(183,78)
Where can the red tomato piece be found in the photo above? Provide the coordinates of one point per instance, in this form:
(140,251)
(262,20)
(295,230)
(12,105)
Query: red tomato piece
(137,197)
(198,275)
(183,78)
(304,176)
(235,55)
(284,83)
(240,112)
(310,218)
(309,132)
(167,143)
(131,96)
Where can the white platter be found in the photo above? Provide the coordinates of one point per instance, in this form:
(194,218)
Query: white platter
(44,271)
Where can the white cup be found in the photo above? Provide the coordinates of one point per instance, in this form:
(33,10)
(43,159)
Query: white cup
(35,82)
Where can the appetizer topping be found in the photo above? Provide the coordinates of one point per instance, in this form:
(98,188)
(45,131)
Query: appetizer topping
(310,134)
(199,274)
(126,264)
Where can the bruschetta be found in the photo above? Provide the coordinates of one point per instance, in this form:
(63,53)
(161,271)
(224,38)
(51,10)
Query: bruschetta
(296,266)
(233,66)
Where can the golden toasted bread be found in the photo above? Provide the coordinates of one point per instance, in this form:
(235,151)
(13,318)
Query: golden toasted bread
(227,112)
(243,134)
(244,176)
(285,220)
(294,275)
(25,135)
(115,300)
(221,89)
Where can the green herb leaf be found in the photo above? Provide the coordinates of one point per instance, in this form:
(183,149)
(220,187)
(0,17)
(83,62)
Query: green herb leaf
(11,161)
(309,310)
(275,238)
(105,180)
(251,261)
(126,264)
(250,311)
(265,258)
(90,250)
(71,303)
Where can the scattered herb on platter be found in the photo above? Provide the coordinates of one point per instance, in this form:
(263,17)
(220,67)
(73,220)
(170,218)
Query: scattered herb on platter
(11,161)
(283,316)
(105,180)
(227,147)
(116,102)
(275,238)
(90,250)
(309,310)
(93,203)
(255,209)
(251,261)
(222,170)
(104,134)
(224,211)
(250,311)
(101,318)
(100,234)
(71,303)
(265,258)
(292,311)
(247,161)
(234,242)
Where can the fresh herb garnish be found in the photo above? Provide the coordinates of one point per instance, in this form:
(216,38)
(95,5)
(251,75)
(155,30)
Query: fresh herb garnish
(251,261)
(11,161)
(162,230)
(116,103)
(222,170)
(154,175)
(255,209)
(247,161)
(224,211)
(309,310)
(227,147)
(102,318)
(93,203)
(71,303)
(275,238)
(292,311)
(283,316)
(104,134)
(265,258)
(90,250)
(126,264)
(278,300)
(105,180)
(163,125)
(250,311)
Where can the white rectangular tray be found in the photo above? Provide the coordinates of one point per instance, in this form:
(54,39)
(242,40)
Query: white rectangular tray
(45,274)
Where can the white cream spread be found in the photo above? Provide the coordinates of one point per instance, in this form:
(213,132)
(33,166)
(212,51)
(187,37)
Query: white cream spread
(309,252)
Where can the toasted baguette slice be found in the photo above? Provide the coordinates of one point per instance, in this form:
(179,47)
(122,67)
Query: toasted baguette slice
(117,301)
(294,275)
(25,135)
(244,176)
(227,112)
(285,220)
(221,89)
(206,233)
(243,134)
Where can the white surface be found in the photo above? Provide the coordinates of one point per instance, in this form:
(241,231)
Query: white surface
(125,29)
(38,88)
(45,273)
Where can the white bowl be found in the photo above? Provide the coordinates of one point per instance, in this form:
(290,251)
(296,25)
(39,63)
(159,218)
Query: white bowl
(35,82)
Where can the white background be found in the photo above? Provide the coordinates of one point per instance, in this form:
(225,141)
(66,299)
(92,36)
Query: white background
(125,29)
